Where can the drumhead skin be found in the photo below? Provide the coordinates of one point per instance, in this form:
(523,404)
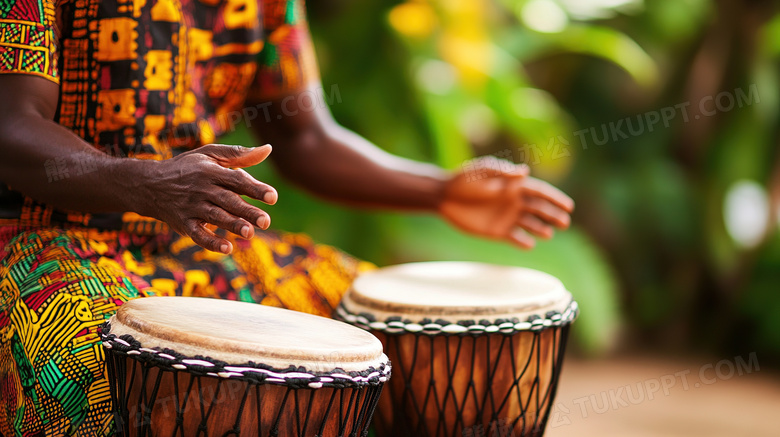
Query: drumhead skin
(238,333)
(456,292)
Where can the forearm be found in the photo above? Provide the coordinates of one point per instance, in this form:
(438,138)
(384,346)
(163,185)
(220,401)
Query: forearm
(346,168)
(49,163)
(333,162)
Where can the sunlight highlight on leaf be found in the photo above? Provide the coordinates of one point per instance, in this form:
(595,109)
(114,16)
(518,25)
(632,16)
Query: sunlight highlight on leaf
(746,213)
(436,77)
(598,9)
(611,45)
(544,16)
(535,103)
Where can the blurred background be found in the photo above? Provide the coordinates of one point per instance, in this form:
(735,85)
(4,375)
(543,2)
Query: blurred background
(660,117)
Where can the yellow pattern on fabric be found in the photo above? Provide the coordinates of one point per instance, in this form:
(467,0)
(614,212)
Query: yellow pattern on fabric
(117,39)
(57,287)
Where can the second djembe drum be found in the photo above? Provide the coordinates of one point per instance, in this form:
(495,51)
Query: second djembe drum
(188,367)
(476,349)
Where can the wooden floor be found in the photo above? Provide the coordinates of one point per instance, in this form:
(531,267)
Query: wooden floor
(635,397)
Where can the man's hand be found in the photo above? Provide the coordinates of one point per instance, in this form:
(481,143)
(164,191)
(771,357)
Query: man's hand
(200,188)
(509,206)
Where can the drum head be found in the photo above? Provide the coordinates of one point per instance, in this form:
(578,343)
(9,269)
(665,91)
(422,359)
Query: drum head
(238,333)
(456,291)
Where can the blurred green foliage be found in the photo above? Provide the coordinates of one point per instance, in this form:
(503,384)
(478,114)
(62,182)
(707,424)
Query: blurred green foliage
(540,81)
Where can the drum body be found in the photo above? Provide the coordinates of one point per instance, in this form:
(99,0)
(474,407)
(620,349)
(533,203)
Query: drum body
(476,349)
(203,367)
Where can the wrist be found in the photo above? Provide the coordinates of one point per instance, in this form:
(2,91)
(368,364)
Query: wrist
(439,190)
(422,191)
(131,178)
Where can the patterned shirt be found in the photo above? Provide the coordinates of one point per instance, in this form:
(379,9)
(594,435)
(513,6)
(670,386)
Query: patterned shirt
(148,79)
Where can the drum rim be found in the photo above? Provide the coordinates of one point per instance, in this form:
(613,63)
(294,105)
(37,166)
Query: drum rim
(257,373)
(293,338)
(556,299)
(427,326)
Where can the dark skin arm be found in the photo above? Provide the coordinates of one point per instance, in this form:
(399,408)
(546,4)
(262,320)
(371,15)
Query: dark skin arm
(188,192)
(321,156)
(313,151)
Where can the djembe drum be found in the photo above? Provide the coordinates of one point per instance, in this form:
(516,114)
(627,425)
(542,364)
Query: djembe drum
(186,367)
(476,349)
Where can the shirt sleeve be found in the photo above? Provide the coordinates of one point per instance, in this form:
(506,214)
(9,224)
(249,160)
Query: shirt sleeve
(287,62)
(27,38)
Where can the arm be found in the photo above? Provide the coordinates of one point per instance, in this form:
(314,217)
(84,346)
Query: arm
(187,192)
(330,161)
(30,138)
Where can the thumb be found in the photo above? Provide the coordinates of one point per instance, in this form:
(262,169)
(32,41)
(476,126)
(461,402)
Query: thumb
(236,156)
(508,170)
(492,166)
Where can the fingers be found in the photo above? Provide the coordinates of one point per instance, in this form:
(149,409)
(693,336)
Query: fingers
(543,190)
(233,214)
(548,212)
(522,239)
(217,216)
(530,224)
(241,182)
(235,156)
(235,205)
(535,226)
(522,170)
(205,238)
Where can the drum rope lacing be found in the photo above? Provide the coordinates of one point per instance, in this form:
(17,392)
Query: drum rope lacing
(396,324)
(349,410)
(443,402)
(294,377)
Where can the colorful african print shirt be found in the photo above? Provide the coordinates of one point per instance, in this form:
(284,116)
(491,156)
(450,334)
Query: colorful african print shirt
(148,78)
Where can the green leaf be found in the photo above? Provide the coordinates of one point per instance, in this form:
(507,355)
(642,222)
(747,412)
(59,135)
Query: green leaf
(608,44)
(443,112)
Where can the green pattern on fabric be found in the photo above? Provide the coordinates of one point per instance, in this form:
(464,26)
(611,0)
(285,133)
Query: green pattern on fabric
(67,392)
(50,352)
(26,370)
(5,9)
(291,15)
(270,56)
